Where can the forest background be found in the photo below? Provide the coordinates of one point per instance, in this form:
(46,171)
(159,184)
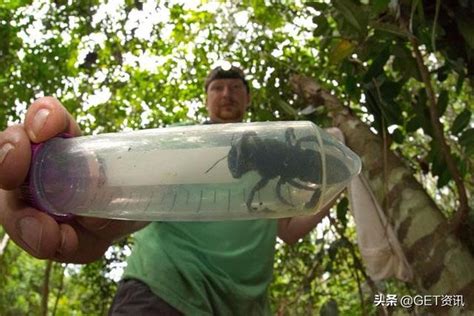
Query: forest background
(396,76)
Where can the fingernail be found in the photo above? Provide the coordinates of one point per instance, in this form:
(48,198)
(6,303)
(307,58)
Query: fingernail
(31,232)
(38,122)
(4,149)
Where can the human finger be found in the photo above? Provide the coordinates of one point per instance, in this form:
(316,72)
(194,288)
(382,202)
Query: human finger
(46,118)
(34,231)
(15,156)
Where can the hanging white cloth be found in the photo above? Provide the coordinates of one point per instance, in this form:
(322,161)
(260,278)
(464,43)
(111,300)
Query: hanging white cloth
(379,247)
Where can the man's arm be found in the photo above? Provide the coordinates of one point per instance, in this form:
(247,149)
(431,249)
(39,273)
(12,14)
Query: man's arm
(291,229)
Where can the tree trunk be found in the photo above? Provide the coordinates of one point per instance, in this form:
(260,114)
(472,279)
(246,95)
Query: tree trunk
(60,291)
(441,263)
(45,291)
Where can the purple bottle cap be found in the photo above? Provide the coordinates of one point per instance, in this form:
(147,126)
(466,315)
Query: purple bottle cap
(30,190)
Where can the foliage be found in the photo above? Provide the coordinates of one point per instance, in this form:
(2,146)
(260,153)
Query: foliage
(142,65)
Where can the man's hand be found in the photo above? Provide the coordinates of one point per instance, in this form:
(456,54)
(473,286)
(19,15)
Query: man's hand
(80,241)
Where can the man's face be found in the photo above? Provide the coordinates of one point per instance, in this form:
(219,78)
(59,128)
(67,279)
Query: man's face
(227,100)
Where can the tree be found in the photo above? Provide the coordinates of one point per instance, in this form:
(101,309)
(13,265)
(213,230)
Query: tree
(395,76)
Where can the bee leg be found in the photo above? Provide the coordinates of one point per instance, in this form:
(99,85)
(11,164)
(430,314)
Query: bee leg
(260,184)
(314,199)
(278,192)
(306,139)
(290,136)
(301,186)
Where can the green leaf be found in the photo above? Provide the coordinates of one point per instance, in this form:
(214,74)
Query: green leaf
(13,4)
(379,6)
(442,73)
(460,81)
(351,87)
(443,178)
(405,64)
(376,68)
(422,112)
(287,108)
(467,140)
(342,208)
(322,25)
(413,124)
(391,89)
(392,112)
(461,121)
(466,27)
(318,6)
(438,164)
(268,15)
(398,136)
(352,13)
(341,50)
(389,28)
(442,102)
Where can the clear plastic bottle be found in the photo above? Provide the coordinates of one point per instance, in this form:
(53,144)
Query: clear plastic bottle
(201,172)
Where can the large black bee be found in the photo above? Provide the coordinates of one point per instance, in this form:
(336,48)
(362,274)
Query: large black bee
(293,164)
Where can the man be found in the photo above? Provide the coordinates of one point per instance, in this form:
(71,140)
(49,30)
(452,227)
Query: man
(195,268)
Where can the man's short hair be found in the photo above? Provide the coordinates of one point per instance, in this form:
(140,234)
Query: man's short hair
(220,73)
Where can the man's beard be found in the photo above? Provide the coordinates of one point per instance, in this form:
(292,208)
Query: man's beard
(230,112)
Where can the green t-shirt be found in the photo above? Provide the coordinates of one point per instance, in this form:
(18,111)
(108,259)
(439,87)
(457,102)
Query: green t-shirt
(207,268)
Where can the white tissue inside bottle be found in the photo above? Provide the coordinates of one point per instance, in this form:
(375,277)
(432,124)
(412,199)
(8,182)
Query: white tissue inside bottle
(167,167)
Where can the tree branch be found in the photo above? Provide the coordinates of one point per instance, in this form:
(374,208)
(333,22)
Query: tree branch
(45,290)
(439,135)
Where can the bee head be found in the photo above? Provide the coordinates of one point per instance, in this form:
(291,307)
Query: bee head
(241,155)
